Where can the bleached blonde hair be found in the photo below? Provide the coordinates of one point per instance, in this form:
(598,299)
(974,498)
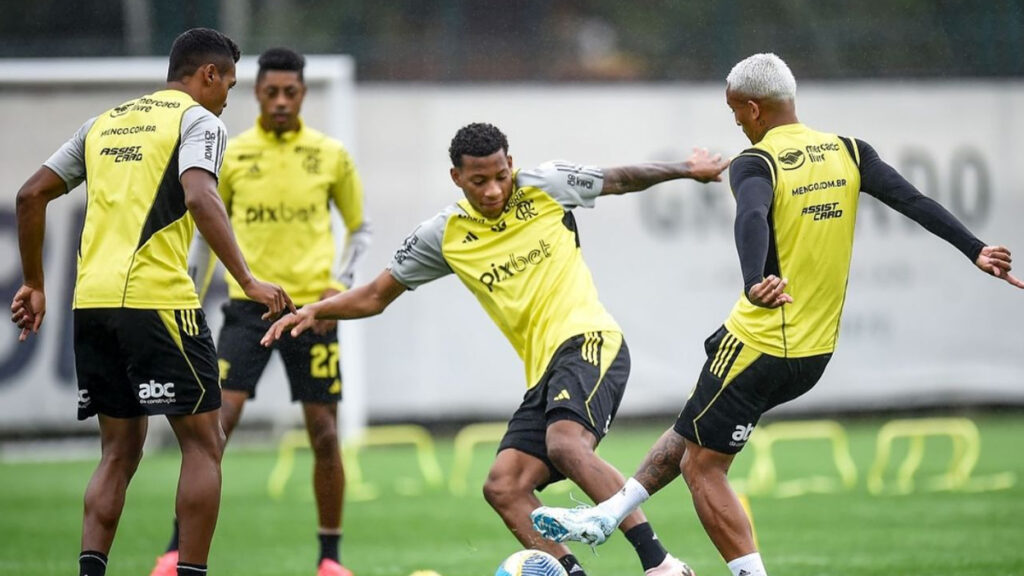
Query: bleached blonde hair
(762,76)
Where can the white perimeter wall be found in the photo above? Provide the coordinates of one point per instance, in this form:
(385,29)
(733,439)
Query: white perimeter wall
(921,327)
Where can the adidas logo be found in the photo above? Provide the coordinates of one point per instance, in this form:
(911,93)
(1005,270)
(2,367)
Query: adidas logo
(470,237)
(563,395)
(744,572)
(576,569)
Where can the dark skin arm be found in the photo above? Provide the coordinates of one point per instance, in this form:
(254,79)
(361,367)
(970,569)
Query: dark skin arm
(29,304)
(366,300)
(207,209)
(701,166)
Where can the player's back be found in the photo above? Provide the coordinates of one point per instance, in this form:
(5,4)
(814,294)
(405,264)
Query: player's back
(816,185)
(137,229)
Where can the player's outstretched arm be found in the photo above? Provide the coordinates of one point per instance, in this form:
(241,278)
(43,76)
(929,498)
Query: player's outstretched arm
(996,260)
(29,304)
(207,209)
(360,302)
(885,183)
(701,166)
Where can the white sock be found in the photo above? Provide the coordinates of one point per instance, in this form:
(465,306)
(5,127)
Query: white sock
(629,498)
(749,565)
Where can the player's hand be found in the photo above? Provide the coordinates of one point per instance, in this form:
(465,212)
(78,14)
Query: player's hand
(270,295)
(995,260)
(322,327)
(769,293)
(706,168)
(27,310)
(295,322)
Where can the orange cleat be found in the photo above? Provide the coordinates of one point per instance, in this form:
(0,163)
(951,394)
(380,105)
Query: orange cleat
(329,567)
(166,564)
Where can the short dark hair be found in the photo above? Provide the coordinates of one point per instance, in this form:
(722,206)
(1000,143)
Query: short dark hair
(197,47)
(478,139)
(281,59)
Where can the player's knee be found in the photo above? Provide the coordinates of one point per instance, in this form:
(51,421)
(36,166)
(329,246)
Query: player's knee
(206,446)
(122,460)
(500,490)
(495,492)
(324,444)
(700,465)
(323,437)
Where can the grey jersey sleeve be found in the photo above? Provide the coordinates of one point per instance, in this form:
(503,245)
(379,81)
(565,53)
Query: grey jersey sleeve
(420,260)
(68,161)
(203,139)
(571,185)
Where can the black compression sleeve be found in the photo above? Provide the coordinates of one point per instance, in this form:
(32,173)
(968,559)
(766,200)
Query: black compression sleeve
(883,182)
(751,182)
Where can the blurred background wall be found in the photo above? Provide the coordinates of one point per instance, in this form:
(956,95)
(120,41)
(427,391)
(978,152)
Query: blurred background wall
(936,87)
(554,40)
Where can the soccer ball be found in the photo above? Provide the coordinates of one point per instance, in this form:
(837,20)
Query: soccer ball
(531,563)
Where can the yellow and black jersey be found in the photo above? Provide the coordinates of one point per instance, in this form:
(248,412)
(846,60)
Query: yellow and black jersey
(278,192)
(797,194)
(525,266)
(137,230)
(815,183)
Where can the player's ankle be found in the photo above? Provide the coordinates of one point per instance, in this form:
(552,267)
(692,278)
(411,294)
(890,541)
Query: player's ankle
(749,565)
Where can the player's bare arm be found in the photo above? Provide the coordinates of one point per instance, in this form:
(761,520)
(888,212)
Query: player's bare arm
(211,219)
(326,326)
(367,300)
(29,304)
(701,166)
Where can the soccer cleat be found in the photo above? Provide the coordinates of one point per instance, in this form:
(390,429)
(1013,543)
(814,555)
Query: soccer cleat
(670,566)
(586,524)
(329,567)
(166,564)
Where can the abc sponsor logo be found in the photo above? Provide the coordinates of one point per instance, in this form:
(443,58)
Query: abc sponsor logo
(154,392)
(741,434)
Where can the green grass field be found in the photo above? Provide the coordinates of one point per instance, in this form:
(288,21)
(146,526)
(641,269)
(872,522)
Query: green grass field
(411,526)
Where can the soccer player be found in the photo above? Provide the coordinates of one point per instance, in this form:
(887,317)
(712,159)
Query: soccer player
(278,180)
(513,243)
(142,346)
(796,200)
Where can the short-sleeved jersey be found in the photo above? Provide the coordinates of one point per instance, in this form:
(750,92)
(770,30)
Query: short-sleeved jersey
(816,186)
(278,192)
(137,230)
(525,266)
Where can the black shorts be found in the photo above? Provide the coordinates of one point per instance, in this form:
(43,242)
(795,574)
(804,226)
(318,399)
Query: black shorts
(584,382)
(736,386)
(311,360)
(133,362)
